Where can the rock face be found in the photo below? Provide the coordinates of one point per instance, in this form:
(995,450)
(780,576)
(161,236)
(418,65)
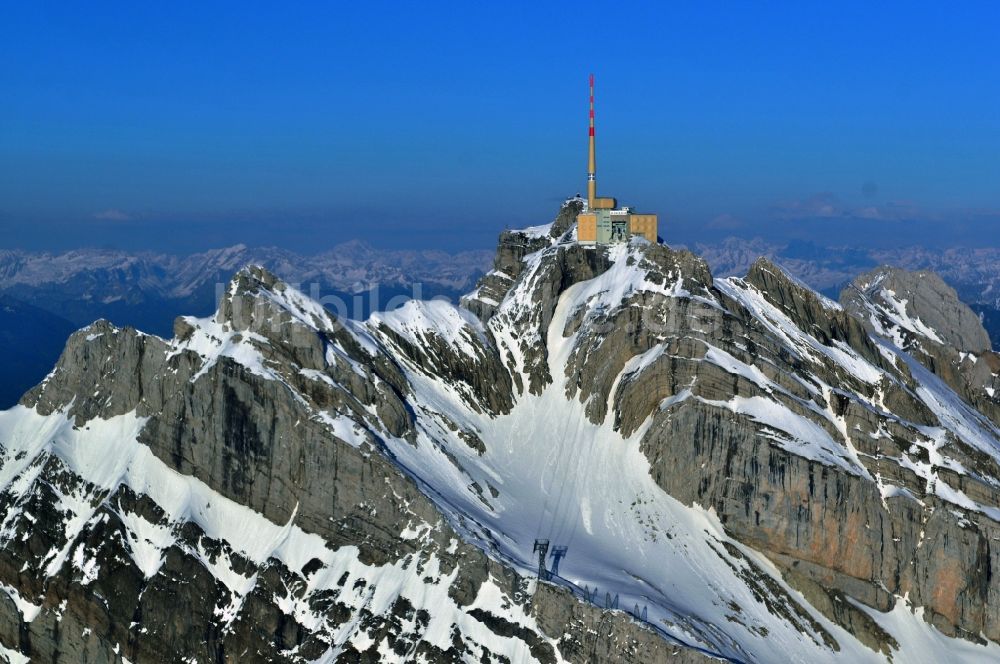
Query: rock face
(509,263)
(739,468)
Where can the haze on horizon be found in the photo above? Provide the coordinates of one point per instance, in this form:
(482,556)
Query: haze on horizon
(182,128)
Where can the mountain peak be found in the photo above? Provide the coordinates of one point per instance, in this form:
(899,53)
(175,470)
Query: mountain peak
(778,282)
(258,300)
(918,304)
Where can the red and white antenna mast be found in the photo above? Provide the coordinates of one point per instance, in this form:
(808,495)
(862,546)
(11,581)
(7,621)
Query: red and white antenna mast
(592,164)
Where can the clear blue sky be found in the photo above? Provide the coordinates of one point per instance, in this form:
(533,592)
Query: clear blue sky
(188,125)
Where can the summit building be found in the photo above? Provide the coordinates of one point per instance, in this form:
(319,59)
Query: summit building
(602,221)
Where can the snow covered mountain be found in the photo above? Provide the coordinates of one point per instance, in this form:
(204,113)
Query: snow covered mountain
(739,468)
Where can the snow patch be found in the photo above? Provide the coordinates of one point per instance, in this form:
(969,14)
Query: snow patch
(28,610)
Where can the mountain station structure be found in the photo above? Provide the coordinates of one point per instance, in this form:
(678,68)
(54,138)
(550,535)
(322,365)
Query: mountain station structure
(602,221)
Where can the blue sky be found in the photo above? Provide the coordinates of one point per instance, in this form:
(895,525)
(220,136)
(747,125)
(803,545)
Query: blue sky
(181,126)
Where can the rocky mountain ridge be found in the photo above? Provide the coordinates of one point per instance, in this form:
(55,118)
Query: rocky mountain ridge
(148,290)
(972,272)
(760,472)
